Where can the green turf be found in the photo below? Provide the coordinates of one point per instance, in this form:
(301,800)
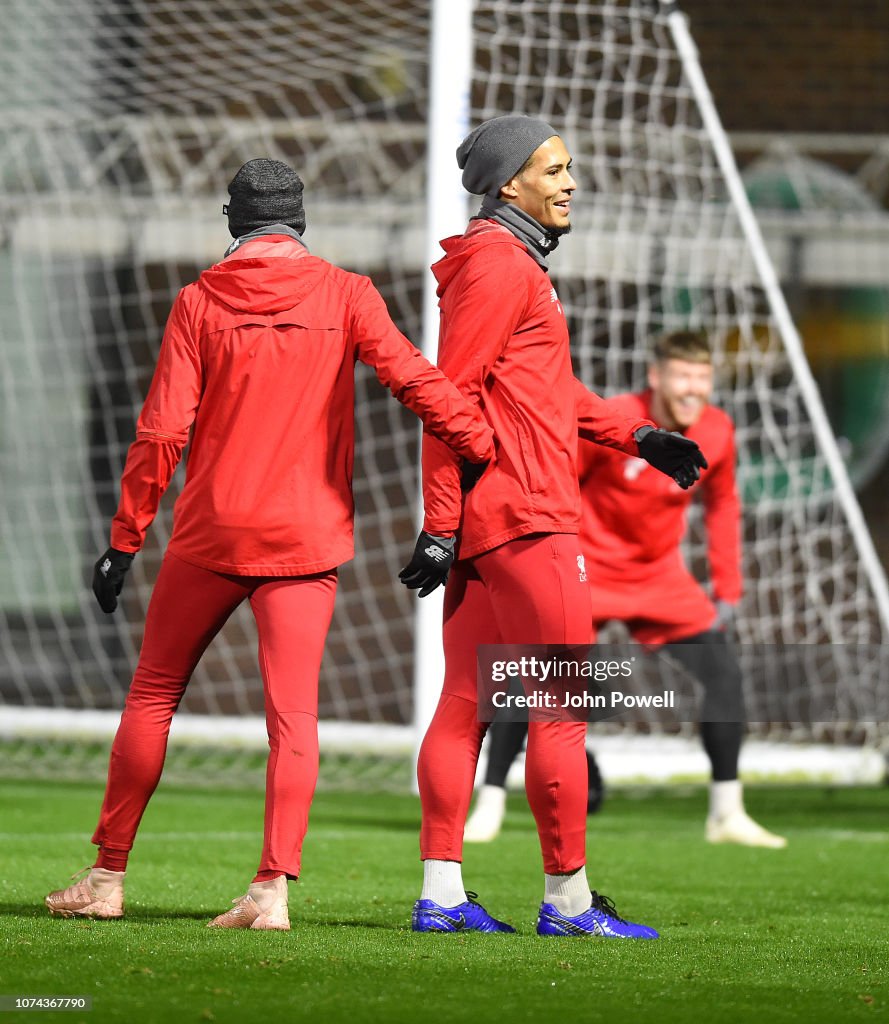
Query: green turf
(748,935)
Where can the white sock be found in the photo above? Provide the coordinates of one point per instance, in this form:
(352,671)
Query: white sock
(443,882)
(269,892)
(569,894)
(103,882)
(726,798)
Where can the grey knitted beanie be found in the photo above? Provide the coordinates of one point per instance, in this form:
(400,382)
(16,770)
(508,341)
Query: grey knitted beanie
(265,192)
(497,149)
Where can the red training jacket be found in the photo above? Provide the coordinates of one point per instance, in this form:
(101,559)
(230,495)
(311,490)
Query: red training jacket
(259,355)
(504,342)
(634,516)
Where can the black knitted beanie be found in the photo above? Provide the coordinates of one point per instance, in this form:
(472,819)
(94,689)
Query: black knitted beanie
(497,150)
(265,192)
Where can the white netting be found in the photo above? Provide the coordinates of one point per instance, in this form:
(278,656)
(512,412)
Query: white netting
(121,123)
(656,246)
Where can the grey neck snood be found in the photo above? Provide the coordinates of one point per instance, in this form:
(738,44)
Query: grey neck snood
(537,240)
(270,229)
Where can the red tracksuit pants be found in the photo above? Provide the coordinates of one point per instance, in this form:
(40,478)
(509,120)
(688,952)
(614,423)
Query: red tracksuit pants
(188,607)
(528,591)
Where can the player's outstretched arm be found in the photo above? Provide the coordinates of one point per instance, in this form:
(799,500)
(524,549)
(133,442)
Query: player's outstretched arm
(600,421)
(423,388)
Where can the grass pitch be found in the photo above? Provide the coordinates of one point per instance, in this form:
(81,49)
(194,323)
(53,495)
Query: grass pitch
(747,935)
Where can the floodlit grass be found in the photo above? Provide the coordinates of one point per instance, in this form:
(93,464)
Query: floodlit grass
(748,935)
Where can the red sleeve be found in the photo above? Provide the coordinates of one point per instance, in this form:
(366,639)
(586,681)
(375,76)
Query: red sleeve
(722,517)
(588,456)
(415,382)
(599,421)
(161,432)
(474,333)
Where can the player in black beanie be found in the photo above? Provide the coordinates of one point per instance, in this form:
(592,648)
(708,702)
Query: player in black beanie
(265,192)
(255,376)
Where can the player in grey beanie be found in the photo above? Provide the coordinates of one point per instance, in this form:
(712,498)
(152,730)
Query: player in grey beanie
(498,149)
(265,192)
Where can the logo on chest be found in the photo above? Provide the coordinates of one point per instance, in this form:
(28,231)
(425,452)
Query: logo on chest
(553,297)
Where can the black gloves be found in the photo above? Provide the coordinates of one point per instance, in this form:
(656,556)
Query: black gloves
(108,574)
(429,565)
(673,454)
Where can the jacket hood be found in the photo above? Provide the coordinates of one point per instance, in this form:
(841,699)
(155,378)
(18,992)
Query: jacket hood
(252,281)
(458,248)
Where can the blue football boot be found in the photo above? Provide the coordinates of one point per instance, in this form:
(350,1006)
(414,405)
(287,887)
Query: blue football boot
(470,916)
(601,919)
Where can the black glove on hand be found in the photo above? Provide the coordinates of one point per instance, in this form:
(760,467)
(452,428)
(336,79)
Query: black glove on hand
(677,456)
(471,473)
(108,574)
(429,565)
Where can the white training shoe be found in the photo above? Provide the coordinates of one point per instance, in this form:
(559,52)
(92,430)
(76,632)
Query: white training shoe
(740,828)
(99,895)
(484,823)
(263,908)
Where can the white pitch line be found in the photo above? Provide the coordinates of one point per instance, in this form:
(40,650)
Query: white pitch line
(850,834)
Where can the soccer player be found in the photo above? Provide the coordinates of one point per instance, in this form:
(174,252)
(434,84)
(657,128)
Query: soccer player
(257,370)
(633,523)
(516,577)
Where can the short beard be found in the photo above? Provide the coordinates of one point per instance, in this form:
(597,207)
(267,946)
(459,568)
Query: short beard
(558,232)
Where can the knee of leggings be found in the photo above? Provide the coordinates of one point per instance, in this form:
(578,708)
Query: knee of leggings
(711,659)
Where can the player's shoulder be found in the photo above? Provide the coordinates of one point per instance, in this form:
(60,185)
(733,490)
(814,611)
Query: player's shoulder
(487,245)
(188,298)
(502,255)
(325,268)
(717,422)
(714,432)
(496,266)
(350,285)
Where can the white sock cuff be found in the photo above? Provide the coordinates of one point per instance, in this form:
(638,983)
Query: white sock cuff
(569,894)
(103,880)
(726,798)
(443,882)
(268,893)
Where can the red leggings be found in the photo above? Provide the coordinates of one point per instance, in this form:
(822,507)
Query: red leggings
(188,607)
(528,591)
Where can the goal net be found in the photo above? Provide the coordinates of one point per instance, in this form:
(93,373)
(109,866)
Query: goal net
(122,122)
(660,242)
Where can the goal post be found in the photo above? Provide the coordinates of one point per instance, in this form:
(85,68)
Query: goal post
(450,76)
